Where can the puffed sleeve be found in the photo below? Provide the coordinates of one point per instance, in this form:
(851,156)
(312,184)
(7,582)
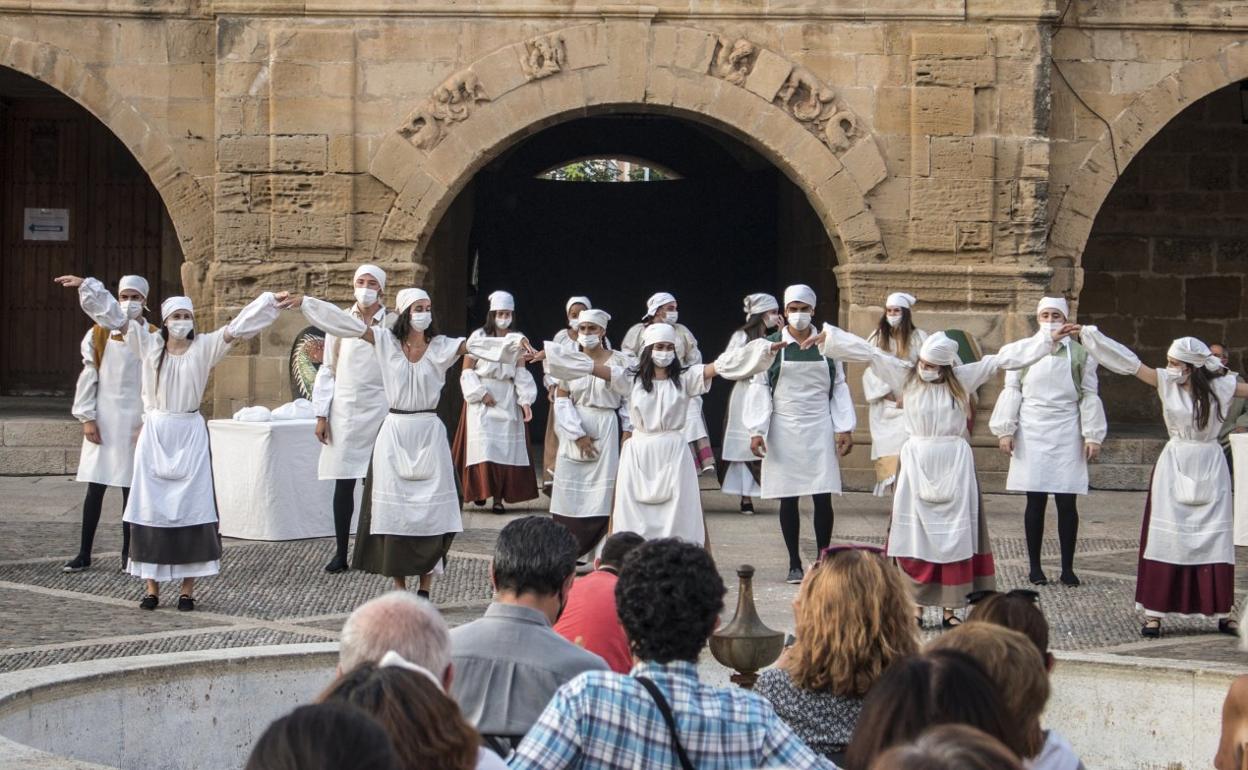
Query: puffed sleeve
(742,363)
(566,364)
(873,388)
(1091,409)
(443,351)
(470,384)
(86,392)
(323,385)
(1004,420)
(841,345)
(844,418)
(1015,355)
(497,350)
(694,381)
(332,319)
(567,420)
(756,409)
(526,387)
(1109,353)
(259,315)
(690,355)
(101,305)
(632,340)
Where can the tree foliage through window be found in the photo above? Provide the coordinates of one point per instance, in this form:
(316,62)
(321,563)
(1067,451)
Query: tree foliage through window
(606,170)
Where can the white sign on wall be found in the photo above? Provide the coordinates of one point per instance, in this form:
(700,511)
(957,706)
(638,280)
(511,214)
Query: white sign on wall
(46,225)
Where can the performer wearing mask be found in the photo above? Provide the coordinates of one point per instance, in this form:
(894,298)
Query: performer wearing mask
(108,401)
(410,513)
(492,444)
(741,468)
(1187,551)
(656,491)
(350,405)
(662,308)
(586,416)
(1050,420)
(895,334)
(938,533)
(566,337)
(800,417)
(172,510)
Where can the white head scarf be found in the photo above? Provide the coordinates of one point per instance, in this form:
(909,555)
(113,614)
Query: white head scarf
(760,303)
(900,299)
(799,292)
(591,316)
(394,660)
(407,298)
(657,301)
(502,300)
(372,270)
(174,304)
(658,333)
(135,282)
(1054,303)
(1192,351)
(567,308)
(940,349)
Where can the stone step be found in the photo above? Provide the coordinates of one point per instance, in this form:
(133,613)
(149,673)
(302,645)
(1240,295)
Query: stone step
(39,446)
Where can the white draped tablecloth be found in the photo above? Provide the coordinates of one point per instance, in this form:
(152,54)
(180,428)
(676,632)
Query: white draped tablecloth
(265,479)
(1239,453)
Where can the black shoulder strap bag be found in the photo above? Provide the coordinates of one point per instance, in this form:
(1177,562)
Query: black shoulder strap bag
(666,711)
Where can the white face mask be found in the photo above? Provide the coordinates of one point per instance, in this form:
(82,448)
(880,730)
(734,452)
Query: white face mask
(893,320)
(133,307)
(572,324)
(1179,372)
(929,375)
(771,320)
(663,358)
(421,320)
(180,330)
(670,317)
(365,297)
(503,323)
(589,340)
(1051,326)
(800,321)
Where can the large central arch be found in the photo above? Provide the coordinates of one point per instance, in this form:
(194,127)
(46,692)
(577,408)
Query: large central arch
(752,93)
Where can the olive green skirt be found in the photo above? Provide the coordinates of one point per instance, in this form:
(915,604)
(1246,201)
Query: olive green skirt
(395,555)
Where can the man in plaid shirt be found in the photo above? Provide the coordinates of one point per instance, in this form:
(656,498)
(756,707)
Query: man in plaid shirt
(669,597)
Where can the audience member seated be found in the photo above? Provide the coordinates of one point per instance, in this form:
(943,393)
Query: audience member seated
(509,663)
(854,616)
(950,747)
(669,597)
(327,736)
(589,619)
(401,622)
(425,725)
(936,687)
(1018,611)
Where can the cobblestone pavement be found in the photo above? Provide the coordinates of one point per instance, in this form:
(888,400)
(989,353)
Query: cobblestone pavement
(277,593)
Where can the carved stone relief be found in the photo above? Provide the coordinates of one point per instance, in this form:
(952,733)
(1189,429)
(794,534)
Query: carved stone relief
(543,57)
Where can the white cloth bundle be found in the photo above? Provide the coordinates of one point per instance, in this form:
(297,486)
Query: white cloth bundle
(299,409)
(253,414)
(1112,355)
(566,364)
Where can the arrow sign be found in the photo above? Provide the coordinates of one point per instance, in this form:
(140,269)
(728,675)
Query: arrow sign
(46,224)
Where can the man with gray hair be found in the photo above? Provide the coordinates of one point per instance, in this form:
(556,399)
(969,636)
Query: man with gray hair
(404,623)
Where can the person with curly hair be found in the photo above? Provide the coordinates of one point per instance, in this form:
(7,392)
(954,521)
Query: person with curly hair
(669,596)
(853,617)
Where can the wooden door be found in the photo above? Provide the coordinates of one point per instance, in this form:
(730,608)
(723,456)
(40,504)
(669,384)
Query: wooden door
(55,155)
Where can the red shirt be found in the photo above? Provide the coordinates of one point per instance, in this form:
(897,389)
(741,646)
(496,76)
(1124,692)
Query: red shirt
(589,619)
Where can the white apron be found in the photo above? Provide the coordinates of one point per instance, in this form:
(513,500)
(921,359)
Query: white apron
(801,443)
(936,504)
(119,416)
(356,413)
(1048,444)
(736,448)
(495,434)
(172,484)
(1191,519)
(586,487)
(413,478)
(656,493)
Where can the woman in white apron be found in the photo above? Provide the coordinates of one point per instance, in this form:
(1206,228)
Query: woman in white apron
(410,513)
(662,308)
(938,533)
(350,404)
(800,416)
(586,416)
(896,334)
(741,469)
(1050,420)
(172,510)
(491,446)
(108,401)
(567,338)
(1187,552)
(656,491)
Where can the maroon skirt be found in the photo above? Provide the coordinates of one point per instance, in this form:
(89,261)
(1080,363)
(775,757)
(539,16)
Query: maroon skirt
(1182,589)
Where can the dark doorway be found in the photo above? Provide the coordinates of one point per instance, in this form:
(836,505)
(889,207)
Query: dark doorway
(61,167)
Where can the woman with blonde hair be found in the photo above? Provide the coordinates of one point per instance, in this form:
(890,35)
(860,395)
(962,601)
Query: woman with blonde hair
(854,617)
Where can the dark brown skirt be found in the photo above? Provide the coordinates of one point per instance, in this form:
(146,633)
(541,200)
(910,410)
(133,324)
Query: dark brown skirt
(509,483)
(587,530)
(395,555)
(175,545)
(1182,589)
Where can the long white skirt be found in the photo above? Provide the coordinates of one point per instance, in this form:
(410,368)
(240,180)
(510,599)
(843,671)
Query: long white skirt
(936,507)
(656,493)
(586,488)
(413,478)
(163,573)
(495,434)
(172,485)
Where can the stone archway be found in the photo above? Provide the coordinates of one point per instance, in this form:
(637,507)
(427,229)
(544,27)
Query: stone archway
(750,92)
(189,205)
(1132,129)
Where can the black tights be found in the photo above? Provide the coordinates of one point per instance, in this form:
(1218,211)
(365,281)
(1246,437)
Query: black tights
(1067,527)
(791,525)
(92,506)
(344,509)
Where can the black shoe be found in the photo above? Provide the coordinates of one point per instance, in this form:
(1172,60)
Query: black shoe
(149,602)
(1151,628)
(185,603)
(479,503)
(1038,578)
(498,508)
(77,565)
(951,621)
(339,564)
(747,508)
(1069,579)
(795,576)
(1228,627)
(422,593)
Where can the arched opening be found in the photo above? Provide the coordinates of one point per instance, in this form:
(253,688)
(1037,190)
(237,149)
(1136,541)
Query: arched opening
(1168,251)
(73,199)
(730,223)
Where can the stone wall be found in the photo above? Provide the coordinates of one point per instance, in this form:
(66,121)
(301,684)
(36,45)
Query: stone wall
(1168,254)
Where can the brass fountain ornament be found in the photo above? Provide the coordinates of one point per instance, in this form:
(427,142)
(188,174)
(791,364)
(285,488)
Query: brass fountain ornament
(746,644)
